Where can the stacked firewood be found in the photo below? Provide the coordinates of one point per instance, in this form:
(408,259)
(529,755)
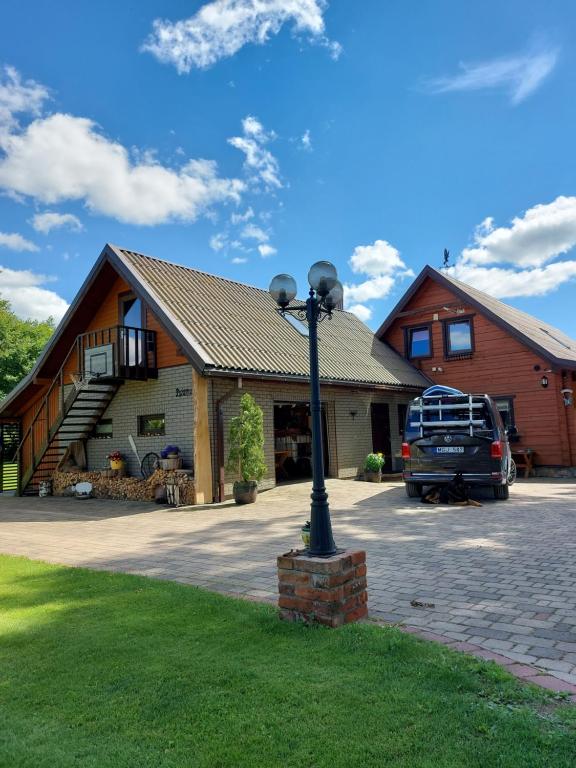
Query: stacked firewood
(113,484)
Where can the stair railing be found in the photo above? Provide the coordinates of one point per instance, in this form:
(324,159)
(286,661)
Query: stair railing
(43,425)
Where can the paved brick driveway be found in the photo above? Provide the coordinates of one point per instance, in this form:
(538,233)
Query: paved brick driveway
(502,576)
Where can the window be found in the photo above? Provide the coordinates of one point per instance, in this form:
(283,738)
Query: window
(130,311)
(152,425)
(418,342)
(505,406)
(103,430)
(301,327)
(402,410)
(458,337)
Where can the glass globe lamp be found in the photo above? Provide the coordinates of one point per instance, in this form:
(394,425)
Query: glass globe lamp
(282,289)
(322,277)
(335,296)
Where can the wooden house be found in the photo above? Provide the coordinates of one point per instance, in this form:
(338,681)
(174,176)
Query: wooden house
(162,354)
(460,336)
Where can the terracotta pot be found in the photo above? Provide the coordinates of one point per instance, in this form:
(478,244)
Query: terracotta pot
(245,492)
(373,477)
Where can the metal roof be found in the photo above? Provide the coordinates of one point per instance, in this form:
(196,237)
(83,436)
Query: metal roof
(235,328)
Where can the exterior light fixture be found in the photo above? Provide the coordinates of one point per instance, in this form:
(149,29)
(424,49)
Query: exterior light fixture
(544,381)
(325,294)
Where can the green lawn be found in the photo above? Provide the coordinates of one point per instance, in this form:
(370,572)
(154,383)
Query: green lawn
(100,670)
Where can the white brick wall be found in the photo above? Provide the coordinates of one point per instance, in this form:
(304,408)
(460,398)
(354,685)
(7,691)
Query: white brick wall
(140,398)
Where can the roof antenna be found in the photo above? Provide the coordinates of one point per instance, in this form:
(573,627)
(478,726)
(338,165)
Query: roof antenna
(446,263)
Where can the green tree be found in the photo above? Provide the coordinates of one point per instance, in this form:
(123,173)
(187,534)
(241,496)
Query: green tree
(21,341)
(246,454)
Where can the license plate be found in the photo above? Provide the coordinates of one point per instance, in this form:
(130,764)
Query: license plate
(450,449)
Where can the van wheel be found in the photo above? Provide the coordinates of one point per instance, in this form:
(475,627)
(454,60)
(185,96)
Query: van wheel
(413,490)
(501,491)
(512,472)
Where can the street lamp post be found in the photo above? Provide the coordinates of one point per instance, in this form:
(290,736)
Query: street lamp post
(325,294)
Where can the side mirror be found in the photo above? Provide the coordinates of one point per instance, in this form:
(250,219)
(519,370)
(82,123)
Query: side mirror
(511,431)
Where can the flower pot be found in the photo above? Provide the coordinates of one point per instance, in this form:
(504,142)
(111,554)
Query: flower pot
(116,463)
(373,477)
(245,491)
(306,536)
(172,462)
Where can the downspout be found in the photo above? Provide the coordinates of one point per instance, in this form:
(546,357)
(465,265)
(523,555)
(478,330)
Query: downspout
(219,416)
(567,420)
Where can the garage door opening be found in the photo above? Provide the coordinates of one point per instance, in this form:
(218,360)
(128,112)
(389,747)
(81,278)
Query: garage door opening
(293,441)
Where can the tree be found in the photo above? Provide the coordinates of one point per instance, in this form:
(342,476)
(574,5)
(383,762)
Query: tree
(21,341)
(247,441)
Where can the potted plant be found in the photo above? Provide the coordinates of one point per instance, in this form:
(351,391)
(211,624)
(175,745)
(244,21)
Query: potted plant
(246,454)
(373,467)
(170,457)
(116,460)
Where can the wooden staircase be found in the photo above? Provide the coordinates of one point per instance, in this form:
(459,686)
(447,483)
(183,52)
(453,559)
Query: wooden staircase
(82,410)
(68,413)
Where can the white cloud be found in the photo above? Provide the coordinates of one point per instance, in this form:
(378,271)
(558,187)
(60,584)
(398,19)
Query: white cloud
(238,218)
(18,97)
(23,289)
(16,242)
(306,141)
(520,75)
(49,220)
(381,262)
(508,283)
(220,28)
(239,260)
(361,312)
(375,288)
(259,161)
(512,261)
(540,234)
(380,258)
(218,241)
(252,232)
(266,250)
(63,157)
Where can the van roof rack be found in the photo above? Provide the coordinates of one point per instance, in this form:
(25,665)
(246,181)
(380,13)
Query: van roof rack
(436,403)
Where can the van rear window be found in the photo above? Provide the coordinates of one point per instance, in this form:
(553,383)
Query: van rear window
(447,416)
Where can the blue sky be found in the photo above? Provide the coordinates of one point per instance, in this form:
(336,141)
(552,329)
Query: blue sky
(371,133)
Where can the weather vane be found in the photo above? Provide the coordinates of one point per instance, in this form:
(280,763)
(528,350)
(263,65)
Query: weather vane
(446,263)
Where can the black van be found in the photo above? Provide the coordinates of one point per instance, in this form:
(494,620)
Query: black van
(447,432)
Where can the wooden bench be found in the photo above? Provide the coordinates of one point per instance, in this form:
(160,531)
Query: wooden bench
(524,459)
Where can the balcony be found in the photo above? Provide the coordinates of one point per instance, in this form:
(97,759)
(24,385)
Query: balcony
(119,352)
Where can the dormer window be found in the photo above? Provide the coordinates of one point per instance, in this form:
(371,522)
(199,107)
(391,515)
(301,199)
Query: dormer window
(418,342)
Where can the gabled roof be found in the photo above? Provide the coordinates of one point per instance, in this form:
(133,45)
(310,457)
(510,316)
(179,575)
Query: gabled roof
(225,326)
(546,340)
(234,327)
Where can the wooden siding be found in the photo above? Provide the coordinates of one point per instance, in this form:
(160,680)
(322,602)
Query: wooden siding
(500,365)
(168,353)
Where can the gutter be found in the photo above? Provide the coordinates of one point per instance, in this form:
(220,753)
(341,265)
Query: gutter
(301,379)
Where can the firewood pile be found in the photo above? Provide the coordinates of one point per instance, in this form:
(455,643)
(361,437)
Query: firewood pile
(113,484)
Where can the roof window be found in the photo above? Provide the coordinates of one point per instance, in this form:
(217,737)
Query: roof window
(301,327)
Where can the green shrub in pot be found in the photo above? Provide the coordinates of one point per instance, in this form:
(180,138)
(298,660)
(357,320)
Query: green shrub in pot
(373,464)
(246,452)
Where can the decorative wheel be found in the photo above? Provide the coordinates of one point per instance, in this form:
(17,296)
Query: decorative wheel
(512,472)
(149,465)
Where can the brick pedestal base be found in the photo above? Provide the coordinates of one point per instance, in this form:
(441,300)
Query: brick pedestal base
(327,590)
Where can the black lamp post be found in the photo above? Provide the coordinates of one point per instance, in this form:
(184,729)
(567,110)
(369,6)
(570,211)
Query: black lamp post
(325,294)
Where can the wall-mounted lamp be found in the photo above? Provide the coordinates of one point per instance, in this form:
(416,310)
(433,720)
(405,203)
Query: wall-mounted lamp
(567,395)
(544,381)
(353,414)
